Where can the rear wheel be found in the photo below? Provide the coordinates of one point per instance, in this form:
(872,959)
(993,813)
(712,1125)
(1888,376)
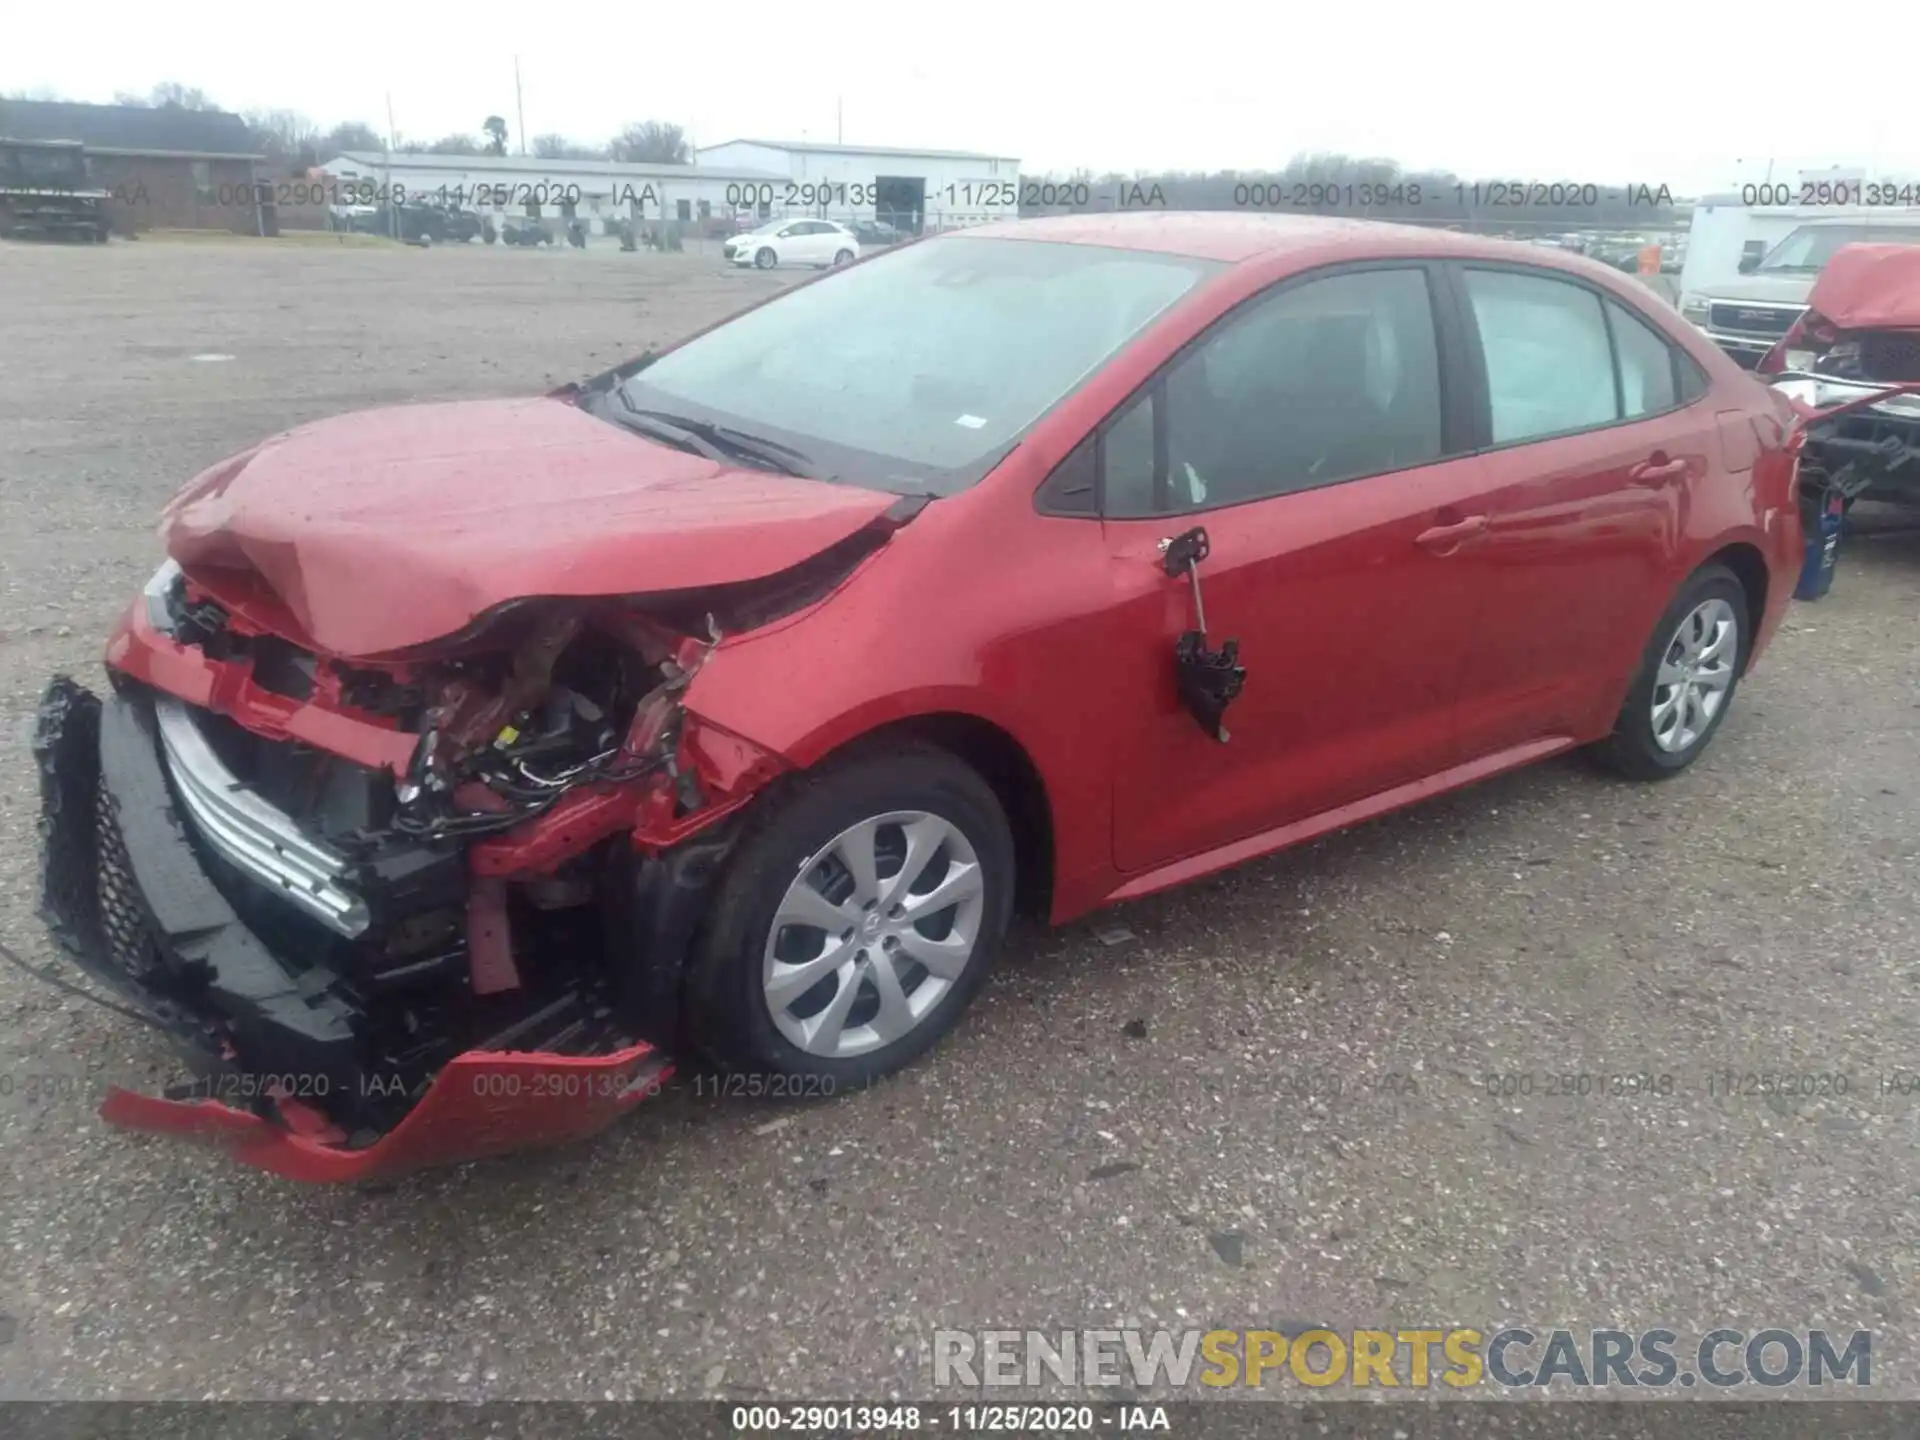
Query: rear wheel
(857,922)
(1687,677)
(766,259)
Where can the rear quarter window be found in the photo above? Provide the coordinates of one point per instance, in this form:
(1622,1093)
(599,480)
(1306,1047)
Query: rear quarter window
(1648,383)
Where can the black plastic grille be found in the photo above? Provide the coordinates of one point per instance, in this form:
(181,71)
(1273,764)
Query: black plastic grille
(1893,357)
(123,915)
(1739,319)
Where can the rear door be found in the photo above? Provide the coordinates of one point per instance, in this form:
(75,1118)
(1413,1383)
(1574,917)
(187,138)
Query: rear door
(1314,433)
(1597,432)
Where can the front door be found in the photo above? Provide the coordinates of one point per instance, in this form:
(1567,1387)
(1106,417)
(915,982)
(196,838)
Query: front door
(1310,433)
(810,243)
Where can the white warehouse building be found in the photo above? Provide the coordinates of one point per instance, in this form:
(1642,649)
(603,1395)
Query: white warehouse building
(741,181)
(599,192)
(911,189)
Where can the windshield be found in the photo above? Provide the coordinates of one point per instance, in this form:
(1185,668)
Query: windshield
(1809,248)
(915,371)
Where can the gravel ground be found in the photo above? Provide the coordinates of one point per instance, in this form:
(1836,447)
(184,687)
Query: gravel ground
(1264,1106)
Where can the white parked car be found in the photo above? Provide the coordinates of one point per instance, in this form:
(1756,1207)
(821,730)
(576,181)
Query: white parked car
(794,242)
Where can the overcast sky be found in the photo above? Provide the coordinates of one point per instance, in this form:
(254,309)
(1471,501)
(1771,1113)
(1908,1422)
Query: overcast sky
(1697,94)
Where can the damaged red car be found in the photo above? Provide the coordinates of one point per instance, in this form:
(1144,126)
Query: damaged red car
(463,763)
(1853,359)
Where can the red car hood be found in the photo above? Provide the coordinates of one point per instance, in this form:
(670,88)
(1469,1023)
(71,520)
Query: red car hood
(1870,287)
(389,528)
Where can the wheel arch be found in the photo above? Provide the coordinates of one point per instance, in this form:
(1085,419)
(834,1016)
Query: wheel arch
(993,753)
(1749,567)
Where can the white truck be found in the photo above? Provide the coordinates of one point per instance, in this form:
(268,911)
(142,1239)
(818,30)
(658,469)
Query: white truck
(1748,313)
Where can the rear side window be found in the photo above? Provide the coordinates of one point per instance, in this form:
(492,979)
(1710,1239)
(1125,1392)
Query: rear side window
(1549,360)
(1647,370)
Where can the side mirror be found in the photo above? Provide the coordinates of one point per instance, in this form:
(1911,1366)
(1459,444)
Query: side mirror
(1749,263)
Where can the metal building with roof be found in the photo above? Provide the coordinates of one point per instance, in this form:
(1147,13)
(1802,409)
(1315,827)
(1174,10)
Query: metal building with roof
(915,189)
(163,166)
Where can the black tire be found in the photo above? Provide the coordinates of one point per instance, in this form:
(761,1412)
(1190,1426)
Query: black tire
(1632,750)
(765,259)
(728,1018)
(843,257)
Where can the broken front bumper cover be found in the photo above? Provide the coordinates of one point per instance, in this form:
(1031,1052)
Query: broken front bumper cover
(127,894)
(1857,437)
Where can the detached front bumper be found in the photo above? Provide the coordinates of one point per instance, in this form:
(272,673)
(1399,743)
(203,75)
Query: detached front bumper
(1867,432)
(280,1044)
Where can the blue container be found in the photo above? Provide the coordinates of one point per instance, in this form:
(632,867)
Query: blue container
(1823,551)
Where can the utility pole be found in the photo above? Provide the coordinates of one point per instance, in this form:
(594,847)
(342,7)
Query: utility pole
(839,115)
(519,110)
(393,144)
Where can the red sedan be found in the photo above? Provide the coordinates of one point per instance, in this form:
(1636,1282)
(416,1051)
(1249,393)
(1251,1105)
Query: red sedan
(463,762)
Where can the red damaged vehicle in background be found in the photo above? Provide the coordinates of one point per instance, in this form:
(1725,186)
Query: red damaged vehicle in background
(1853,360)
(465,761)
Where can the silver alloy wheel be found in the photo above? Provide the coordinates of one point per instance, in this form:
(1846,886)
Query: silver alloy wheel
(1696,672)
(878,925)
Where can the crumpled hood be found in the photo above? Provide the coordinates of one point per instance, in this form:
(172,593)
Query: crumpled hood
(385,529)
(1870,287)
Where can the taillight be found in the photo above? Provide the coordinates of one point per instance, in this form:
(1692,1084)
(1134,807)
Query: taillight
(1809,337)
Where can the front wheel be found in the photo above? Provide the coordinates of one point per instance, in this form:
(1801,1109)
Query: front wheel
(844,257)
(856,922)
(1686,681)
(766,259)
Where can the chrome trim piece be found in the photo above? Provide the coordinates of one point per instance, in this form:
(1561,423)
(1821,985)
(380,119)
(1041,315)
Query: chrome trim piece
(1788,310)
(1822,392)
(159,615)
(257,837)
(1757,344)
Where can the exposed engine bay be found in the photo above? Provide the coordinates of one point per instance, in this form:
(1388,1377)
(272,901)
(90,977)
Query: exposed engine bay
(372,898)
(1853,361)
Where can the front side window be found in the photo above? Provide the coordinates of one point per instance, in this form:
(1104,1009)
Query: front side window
(1807,250)
(1127,460)
(919,370)
(1549,362)
(1324,381)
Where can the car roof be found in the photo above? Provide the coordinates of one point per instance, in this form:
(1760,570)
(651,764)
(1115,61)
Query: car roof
(1239,236)
(1856,222)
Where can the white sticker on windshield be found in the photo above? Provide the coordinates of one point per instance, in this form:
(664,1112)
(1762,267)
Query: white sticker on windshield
(972,422)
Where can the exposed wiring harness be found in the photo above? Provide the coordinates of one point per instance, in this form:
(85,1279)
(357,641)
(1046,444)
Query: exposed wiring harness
(534,794)
(45,973)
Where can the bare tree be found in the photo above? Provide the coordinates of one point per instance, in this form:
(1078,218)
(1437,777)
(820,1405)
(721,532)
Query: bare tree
(559,147)
(348,135)
(187,97)
(496,130)
(285,135)
(38,94)
(456,145)
(651,142)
